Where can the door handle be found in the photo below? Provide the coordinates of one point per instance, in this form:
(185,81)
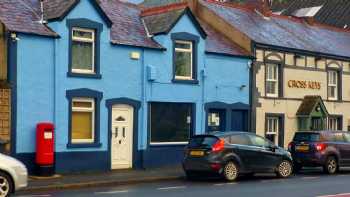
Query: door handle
(123,132)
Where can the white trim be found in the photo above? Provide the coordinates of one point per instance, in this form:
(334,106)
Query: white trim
(190,50)
(272,80)
(332,83)
(84,109)
(85,40)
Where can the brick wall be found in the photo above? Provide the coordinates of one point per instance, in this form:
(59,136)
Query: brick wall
(5,115)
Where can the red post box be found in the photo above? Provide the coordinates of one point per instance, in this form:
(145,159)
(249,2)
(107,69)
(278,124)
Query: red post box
(45,148)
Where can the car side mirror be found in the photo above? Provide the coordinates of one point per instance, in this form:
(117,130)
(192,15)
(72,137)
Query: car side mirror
(273,148)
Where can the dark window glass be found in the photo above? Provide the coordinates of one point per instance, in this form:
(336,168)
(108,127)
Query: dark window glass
(240,139)
(170,122)
(202,141)
(308,137)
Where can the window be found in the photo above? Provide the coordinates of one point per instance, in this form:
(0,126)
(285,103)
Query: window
(259,141)
(333,124)
(83,50)
(332,85)
(240,139)
(183,60)
(170,123)
(83,120)
(272,80)
(272,128)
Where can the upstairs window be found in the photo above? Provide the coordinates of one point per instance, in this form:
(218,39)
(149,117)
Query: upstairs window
(333,85)
(272,80)
(83,51)
(183,60)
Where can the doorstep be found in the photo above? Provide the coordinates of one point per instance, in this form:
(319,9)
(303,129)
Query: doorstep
(111,178)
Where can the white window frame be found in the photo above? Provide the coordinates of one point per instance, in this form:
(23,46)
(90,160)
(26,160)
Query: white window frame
(274,128)
(276,80)
(190,50)
(333,85)
(84,109)
(86,40)
(333,123)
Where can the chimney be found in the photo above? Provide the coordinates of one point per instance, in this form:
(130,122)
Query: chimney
(261,6)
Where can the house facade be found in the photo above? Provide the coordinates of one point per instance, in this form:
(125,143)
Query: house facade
(300,72)
(122,90)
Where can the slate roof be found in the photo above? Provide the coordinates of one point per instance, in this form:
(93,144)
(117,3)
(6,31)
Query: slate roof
(127,28)
(20,16)
(333,12)
(282,31)
(218,43)
(155,3)
(215,41)
(308,105)
(55,9)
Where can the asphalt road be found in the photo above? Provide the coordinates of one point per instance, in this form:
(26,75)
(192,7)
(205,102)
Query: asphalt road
(310,183)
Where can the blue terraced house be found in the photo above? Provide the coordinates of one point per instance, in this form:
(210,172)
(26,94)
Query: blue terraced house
(124,87)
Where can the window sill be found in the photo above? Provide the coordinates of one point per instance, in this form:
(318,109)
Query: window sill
(84,75)
(184,81)
(84,145)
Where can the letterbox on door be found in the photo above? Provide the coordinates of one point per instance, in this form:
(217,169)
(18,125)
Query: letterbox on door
(45,148)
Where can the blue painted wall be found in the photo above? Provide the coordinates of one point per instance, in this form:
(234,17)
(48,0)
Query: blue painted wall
(43,82)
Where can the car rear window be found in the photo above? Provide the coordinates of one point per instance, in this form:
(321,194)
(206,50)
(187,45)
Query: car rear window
(202,141)
(307,137)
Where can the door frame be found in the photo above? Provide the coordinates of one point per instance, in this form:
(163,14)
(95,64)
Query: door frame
(136,106)
(228,108)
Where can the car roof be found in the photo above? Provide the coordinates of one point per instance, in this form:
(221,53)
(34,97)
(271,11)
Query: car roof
(323,131)
(226,133)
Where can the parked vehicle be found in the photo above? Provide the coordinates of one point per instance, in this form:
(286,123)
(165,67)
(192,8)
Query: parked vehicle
(13,175)
(230,154)
(329,149)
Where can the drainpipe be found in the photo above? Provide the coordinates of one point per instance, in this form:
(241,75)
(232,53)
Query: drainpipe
(144,106)
(203,122)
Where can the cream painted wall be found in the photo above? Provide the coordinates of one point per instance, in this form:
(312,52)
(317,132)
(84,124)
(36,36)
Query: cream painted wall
(293,96)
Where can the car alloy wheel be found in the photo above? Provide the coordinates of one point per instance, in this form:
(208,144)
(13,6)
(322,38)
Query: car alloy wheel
(230,171)
(284,169)
(331,165)
(5,185)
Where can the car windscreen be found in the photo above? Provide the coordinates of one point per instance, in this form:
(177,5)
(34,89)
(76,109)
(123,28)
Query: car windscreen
(306,137)
(202,141)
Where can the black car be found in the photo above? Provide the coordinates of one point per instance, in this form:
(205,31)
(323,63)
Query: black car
(328,149)
(230,154)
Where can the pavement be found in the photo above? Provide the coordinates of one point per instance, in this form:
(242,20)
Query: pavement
(112,178)
(309,183)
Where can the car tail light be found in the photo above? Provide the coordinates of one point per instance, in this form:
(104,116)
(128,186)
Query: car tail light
(320,147)
(218,146)
(290,145)
(215,166)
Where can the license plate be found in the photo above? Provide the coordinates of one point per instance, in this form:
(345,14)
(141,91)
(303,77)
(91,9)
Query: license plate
(197,153)
(302,148)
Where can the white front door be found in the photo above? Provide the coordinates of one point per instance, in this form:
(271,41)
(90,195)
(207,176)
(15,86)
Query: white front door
(122,135)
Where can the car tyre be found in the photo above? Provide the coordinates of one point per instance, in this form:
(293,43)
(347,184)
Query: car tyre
(331,165)
(284,169)
(230,171)
(6,185)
